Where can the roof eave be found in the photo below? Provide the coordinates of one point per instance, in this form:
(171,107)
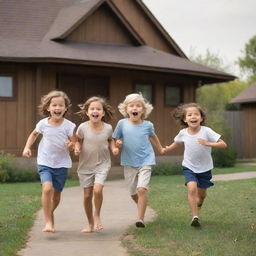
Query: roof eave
(204,77)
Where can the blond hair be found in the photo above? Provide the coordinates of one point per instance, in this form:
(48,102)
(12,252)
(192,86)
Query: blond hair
(46,101)
(180,113)
(135,97)
(109,112)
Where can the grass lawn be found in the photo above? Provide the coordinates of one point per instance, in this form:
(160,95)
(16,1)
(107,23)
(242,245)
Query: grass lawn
(228,220)
(237,168)
(18,205)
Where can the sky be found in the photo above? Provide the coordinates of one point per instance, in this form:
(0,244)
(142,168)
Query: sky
(221,26)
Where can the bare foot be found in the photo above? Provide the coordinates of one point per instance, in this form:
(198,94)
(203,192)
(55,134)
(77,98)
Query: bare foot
(89,229)
(48,228)
(98,225)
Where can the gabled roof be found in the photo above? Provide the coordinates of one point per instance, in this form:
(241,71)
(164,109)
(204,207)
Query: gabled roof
(161,29)
(71,17)
(246,96)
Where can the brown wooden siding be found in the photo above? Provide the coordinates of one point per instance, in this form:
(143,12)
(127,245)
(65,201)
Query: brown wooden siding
(143,25)
(249,131)
(17,117)
(35,81)
(102,26)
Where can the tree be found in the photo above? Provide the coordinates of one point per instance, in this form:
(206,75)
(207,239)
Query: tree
(248,62)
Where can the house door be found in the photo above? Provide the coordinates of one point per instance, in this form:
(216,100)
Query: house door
(79,88)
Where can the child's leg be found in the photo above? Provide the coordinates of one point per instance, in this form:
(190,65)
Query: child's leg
(88,194)
(201,194)
(142,202)
(98,199)
(47,195)
(192,197)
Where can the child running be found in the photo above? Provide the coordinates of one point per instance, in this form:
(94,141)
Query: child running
(137,156)
(53,158)
(94,138)
(197,163)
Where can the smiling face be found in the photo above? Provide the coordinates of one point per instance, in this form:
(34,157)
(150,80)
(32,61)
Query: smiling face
(95,111)
(193,118)
(57,108)
(135,110)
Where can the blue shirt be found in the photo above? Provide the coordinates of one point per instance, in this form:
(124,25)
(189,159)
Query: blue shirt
(137,150)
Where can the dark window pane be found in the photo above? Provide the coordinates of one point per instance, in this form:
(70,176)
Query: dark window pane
(6,86)
(145,90)
(172,95)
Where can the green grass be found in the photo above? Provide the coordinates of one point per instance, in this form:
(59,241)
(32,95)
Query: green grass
(235,169)
(228,220)
(18,204)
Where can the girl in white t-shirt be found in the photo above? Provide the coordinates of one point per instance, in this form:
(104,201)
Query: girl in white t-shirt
(94,138)
(197,163)
(53,158)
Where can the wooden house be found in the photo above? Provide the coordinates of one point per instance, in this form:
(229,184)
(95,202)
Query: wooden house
(247,100)
(89,47)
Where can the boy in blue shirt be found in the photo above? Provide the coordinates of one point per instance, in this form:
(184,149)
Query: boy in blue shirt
(137,155)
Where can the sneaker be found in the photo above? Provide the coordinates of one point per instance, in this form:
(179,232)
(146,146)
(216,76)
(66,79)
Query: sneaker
(195,222)
(140,224)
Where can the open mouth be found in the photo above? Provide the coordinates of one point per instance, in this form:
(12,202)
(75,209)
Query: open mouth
(57,113)
(134,113)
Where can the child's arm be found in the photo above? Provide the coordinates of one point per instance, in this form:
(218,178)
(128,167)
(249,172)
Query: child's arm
(155,141)
(31,139)
(71,142)
(77,148)
(219,144)
(171,147)
(113,147)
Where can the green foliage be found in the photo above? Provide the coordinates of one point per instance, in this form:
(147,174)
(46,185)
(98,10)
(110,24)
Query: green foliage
(248,62)
(9,172)
(166,169)
(224,157)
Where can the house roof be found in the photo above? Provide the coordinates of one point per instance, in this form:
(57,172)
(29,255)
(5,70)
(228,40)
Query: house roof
(246,96)
(34,31)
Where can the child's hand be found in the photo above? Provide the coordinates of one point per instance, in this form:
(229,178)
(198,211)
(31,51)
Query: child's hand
(27,152)
(70,145)
(162,151)
(77,151)
(115,151)
(119,143)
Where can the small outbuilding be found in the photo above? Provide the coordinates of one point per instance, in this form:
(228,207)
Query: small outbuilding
(247,101)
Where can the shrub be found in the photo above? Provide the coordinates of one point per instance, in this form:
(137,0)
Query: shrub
(224,157)
(22,175)
(3,176)
(9,172)
(166,169)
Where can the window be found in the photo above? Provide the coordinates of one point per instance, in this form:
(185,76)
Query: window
(173,95)
(146,90)
(6,87)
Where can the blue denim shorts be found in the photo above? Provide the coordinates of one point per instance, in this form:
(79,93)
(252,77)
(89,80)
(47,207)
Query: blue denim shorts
(203,179)
(57,176)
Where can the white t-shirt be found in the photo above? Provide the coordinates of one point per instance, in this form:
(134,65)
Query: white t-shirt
(95,155)
(197,157)
(52,150)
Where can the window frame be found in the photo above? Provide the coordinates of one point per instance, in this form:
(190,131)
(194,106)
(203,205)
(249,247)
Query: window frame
(180,95)
(14,86)
(152,91)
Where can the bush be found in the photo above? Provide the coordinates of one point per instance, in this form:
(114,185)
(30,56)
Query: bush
(3,176)
(9,172)
(22,175)
(166,169)
(224,157)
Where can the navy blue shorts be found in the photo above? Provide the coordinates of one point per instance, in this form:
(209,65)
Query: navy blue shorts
(203,179)
(57,176)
